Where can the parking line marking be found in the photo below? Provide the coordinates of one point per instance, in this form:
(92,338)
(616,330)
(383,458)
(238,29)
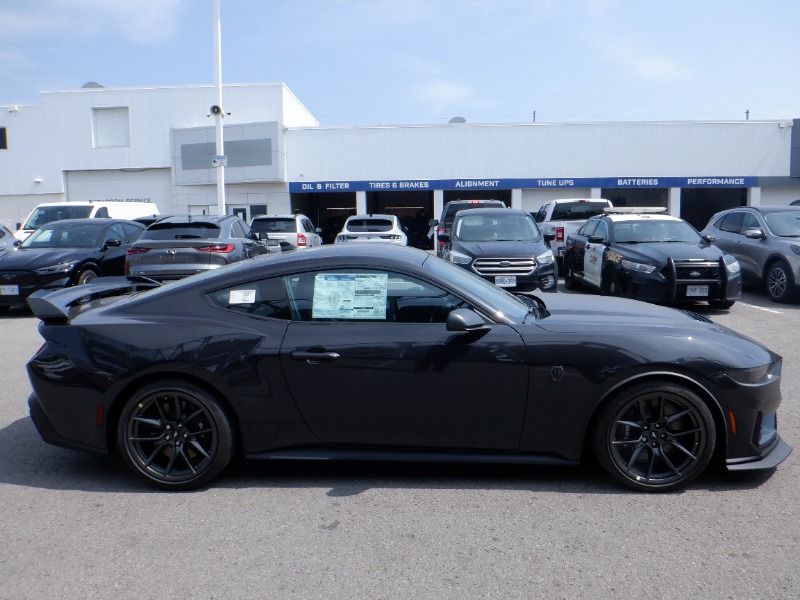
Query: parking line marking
(769,310)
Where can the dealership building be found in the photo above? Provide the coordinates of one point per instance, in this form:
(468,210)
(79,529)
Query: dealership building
(156,145)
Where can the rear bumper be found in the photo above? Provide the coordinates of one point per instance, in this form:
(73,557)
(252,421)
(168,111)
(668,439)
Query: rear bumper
(49,432)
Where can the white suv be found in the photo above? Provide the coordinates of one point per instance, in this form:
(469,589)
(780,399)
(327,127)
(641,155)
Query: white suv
(294,232)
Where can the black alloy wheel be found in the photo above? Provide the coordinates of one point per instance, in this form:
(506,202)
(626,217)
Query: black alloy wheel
(609,283)
(780,282)
(86,276)
(655,437)
(175,435)
(570,281)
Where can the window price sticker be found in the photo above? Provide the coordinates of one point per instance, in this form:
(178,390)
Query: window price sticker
(350,296)
(242,297)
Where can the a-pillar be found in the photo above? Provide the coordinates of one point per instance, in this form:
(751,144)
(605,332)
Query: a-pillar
(674,202)
(361,203)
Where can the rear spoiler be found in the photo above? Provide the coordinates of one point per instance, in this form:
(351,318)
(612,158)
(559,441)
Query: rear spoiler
(54,305)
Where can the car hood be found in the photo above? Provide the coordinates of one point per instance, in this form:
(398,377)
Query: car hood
(660,334)
(36,258)
(501,249)
(659,252)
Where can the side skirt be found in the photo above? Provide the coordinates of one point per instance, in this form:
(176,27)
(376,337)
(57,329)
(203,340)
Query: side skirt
(344,454)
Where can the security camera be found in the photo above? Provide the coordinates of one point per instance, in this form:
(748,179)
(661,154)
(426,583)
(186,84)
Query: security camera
(216,110)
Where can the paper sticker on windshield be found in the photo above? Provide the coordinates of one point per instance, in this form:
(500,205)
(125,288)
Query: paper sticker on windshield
(350,296)
(242,297)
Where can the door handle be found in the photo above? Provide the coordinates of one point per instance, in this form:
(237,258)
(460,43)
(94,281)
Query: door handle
(314,358)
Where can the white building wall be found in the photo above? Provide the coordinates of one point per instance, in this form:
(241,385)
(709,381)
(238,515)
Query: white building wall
(754,148)
(779,195)
(533,199)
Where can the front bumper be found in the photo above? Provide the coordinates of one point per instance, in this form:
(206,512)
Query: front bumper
(544,277)
(30,282)
(654,287)
(777,453)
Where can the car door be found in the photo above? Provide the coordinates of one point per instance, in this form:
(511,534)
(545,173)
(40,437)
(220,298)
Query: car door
(593,257)
(727,233)
(577,249)
(370,362)
(752,253)
(112,261)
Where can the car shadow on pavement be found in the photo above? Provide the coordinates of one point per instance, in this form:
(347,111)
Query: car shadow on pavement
(26,460)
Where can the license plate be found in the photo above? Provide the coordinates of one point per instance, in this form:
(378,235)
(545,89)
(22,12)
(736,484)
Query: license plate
(506,281)
(696,291)
(9,290)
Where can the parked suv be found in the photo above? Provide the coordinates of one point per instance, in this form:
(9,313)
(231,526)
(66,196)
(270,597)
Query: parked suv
(449,212)
(503,246)
(373,228)
(177,246)
(564,216)
(766,242)
(294,232)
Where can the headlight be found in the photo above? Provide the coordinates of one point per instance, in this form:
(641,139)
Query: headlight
(459,259)
(62,267)
(546,258)
(641,268)
(732,264)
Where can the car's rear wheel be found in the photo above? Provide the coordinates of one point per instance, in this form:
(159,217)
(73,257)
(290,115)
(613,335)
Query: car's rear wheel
(570,281)
(86,276)
(609,283)
(655,437)
(780,282)
(175,434)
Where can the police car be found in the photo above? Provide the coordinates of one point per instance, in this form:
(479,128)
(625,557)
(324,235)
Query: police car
(645,254)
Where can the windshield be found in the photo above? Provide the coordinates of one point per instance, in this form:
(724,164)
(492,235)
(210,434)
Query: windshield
(363,225)
(502,302)
(274,226)
(65,235)
(496,228)
(454,209)
(47,214)
(181,231)
(633,232)
(784,224)
(578,210)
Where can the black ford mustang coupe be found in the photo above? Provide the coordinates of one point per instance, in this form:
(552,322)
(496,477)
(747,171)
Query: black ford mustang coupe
(390,353)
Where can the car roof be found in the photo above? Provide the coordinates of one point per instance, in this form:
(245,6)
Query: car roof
(372,216)
(194,219)
(564,200)
(95,221)
(617,218)
(768,209)
(266,217)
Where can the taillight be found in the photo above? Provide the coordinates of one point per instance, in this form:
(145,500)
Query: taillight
(559,234)
(301,240)
(133,250)
(217,248)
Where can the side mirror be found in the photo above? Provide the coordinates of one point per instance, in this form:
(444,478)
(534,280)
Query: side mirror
(549,237)
(112,244)
(710,238)
(431,223)
(755,233)
(17,243)
(596,239)
(465,320)
(443,237)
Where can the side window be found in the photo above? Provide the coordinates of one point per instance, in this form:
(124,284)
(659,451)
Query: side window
(540,214)
(132,232)
(115,232)
(749,221)
(264,298)
(732,222)
(248,233)
(588,229)
(236,230)
(309,226)
(601,230)
(102,213)
(367,295)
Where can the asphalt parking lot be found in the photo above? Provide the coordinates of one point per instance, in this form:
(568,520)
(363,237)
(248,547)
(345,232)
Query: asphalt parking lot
(74,525)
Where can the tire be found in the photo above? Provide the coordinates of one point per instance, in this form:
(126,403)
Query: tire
(609,283)
(780,282)
(86,276)
(654,437)
(722,304)
(570,281)
(175,435)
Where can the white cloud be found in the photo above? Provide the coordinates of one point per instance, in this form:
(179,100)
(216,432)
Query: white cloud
(12,60)
(140,21)
(446,94)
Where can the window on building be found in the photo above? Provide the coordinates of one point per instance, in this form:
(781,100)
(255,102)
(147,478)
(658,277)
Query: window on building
(3,139)
(111,127)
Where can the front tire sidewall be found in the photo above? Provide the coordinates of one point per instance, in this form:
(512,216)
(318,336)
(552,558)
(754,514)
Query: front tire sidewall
(223,452)
(604,426)
(781,271)
(86,276)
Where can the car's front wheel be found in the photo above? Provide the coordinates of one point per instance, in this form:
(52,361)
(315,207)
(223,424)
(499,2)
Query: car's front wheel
(86,276)
(780,282)
(570,281)
(175,434)
(655,437)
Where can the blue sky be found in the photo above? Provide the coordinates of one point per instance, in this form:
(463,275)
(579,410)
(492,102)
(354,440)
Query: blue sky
(424,61)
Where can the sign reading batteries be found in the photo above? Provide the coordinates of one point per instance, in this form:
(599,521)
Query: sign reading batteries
(422,185)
